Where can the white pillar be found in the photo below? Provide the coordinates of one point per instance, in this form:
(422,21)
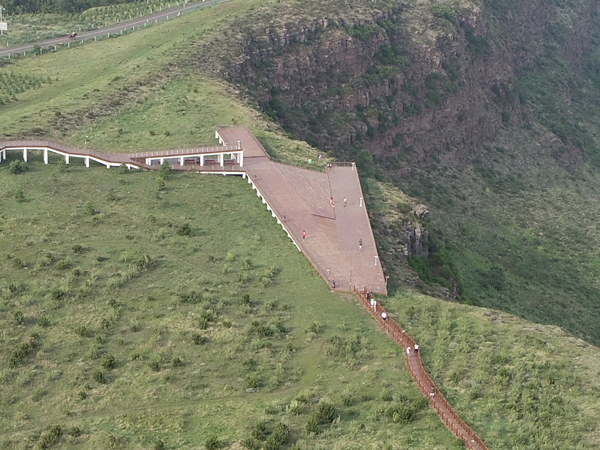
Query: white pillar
(353,164)
(181,161)
(25,154)
(162,160)
(360,201)
(241,158)
(221,159)
(87,161)
(148,161)
(108,165)
(67,158)
(201,160)
(45,156)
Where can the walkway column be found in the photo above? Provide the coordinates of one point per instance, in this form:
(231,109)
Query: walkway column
(162,160)
(45,156)
(87,161)
(241,158)
(221,158)
(201,160)
(25,154)
(67,158)
(181,161)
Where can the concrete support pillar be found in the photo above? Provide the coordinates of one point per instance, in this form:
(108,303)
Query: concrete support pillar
(244,176)
(67,158)
(87,161)
(45,156)
(181,161)
(25,154)
(202,160)
(108,165)
(221,159)
(148,161)
(241,158)
(162,160)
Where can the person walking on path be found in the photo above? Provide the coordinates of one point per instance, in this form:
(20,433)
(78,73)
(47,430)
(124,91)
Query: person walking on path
(416,348)
(374,305)
(360,244)
(344,202)
(407,351)
(384,315)
(303,235)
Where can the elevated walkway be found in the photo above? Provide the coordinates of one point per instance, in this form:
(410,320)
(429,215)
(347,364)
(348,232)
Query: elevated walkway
(298,198)
(424,383)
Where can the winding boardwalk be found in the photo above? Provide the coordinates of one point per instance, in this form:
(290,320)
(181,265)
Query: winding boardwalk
(299,199)
(424,383)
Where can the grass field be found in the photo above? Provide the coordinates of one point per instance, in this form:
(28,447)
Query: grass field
(124,330)
(192,322)
(117,90)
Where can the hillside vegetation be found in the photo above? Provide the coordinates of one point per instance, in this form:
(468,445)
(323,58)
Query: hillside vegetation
(136,315)
(484,111)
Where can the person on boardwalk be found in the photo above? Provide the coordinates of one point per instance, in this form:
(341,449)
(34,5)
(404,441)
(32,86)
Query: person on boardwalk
(371,302)
(407,351)
(303,235)
(384,315)
(359,244)
(416,348)
(374,305)
(344,202)
(330,201)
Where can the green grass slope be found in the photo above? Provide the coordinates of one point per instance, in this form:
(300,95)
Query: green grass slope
(123,330)
(132,315)
(116,91)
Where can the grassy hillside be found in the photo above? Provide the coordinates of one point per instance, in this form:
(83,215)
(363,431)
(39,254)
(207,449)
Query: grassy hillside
(124,330)
(126,93)
(133,316)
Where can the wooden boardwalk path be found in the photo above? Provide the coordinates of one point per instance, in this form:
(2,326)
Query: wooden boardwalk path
(424,383)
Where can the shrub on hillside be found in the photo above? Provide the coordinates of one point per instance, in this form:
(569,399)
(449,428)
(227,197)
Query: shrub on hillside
(50,438)
(16,167)
(212,443)
(184,229)
(108,361)
(19,196)
(325,412)
(444,11)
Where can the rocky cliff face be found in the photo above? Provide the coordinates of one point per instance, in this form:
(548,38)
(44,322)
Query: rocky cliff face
(405,81)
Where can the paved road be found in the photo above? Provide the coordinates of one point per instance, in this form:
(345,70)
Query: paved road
(114,29)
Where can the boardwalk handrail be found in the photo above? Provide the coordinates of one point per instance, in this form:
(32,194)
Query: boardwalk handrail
(426,386)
